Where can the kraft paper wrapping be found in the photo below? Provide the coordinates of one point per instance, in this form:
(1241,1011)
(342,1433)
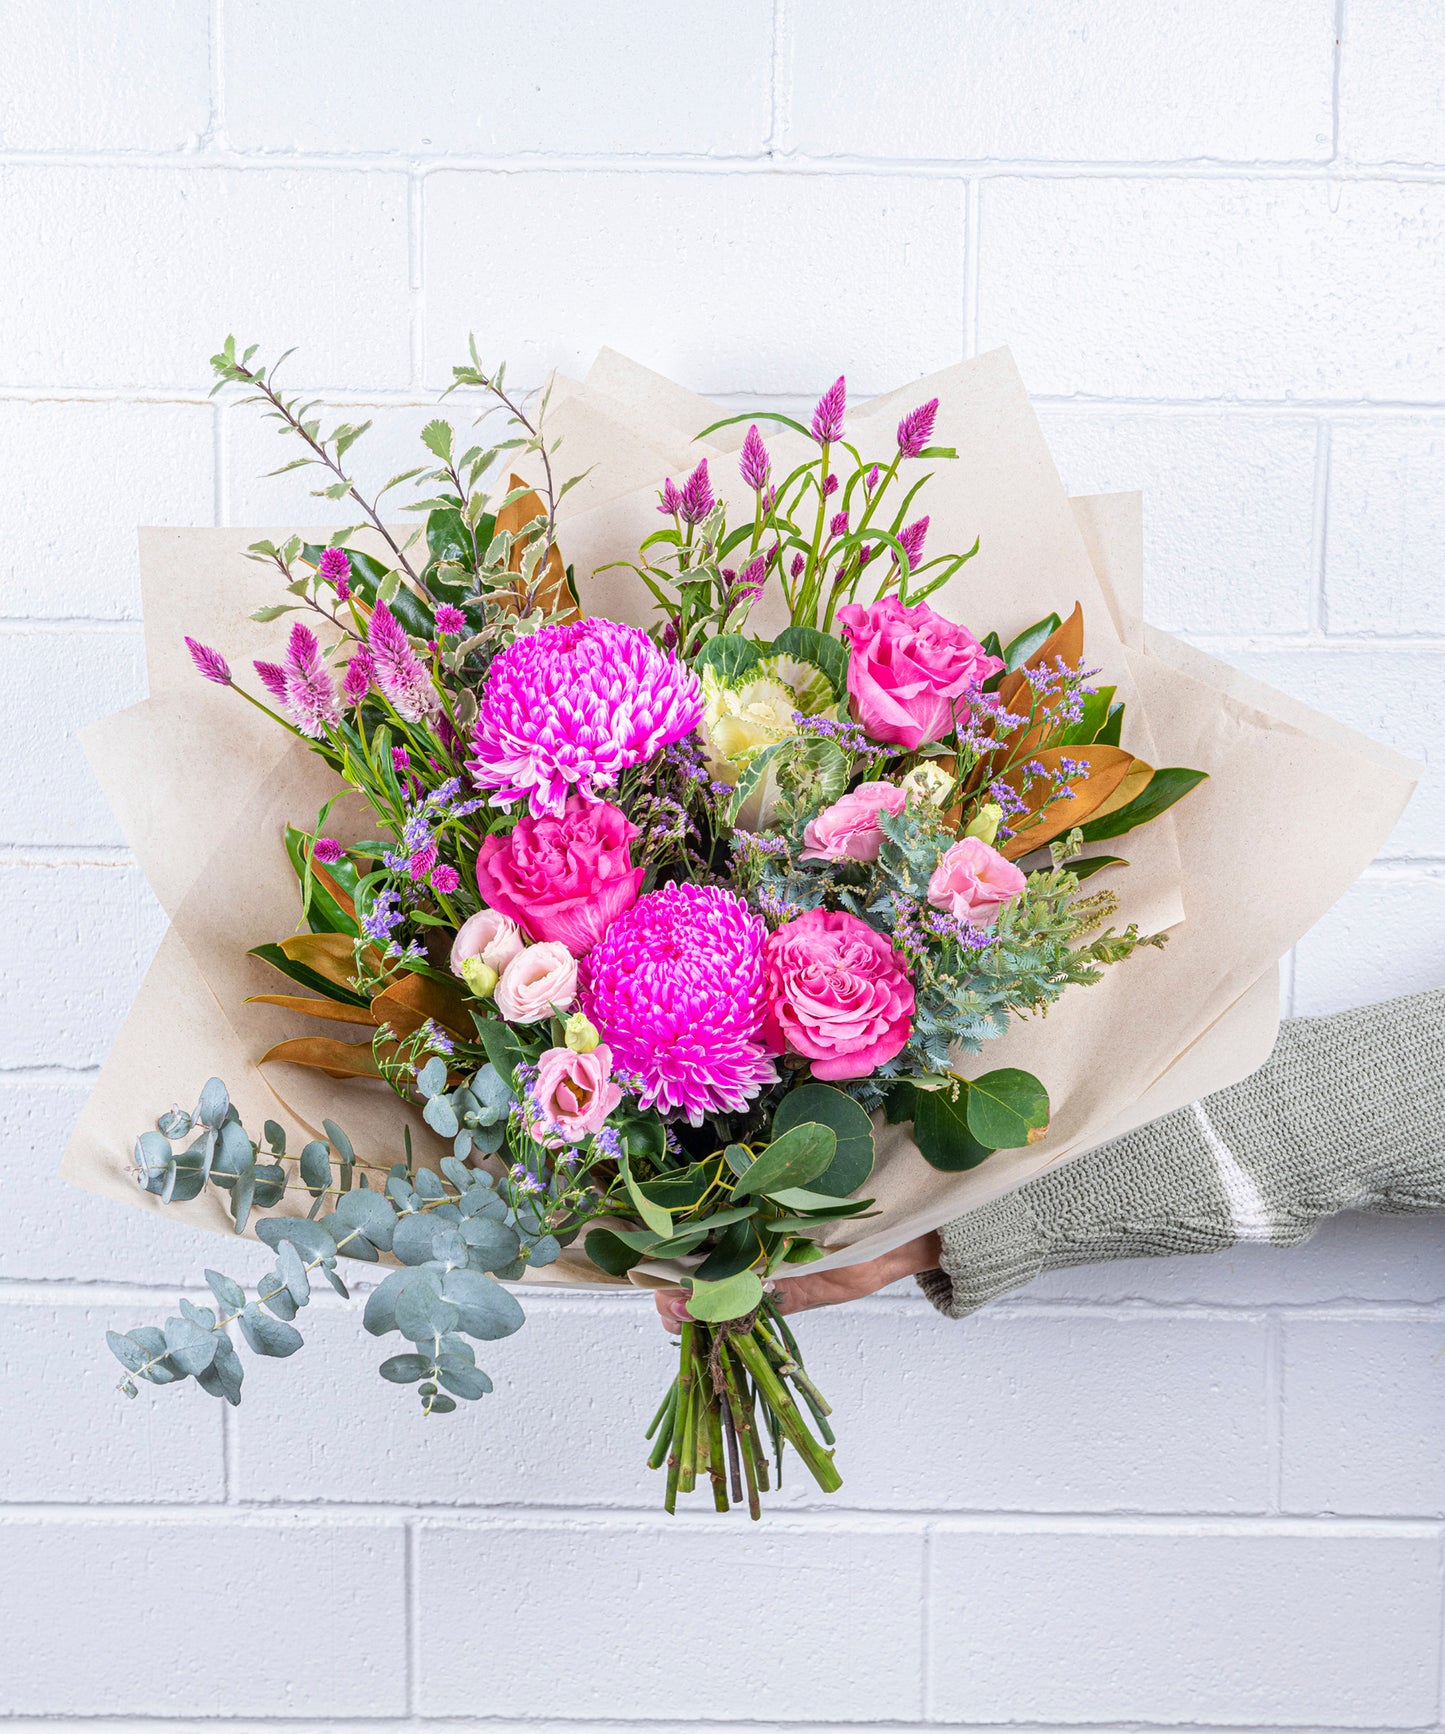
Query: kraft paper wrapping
(1295,807)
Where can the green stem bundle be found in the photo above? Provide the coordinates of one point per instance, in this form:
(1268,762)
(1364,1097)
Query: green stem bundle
(707,1427)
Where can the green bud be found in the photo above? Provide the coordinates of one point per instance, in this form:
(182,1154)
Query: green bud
(481,979)
(985,822)
(581,1033)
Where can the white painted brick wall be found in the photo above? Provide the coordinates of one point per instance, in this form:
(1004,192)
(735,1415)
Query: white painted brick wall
(1197,1494)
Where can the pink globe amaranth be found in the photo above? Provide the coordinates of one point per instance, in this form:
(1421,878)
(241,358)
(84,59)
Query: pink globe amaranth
(848,830)
(676,988)
(575,1091)
(566,878)
(910,670)
(973,882)
(838,993)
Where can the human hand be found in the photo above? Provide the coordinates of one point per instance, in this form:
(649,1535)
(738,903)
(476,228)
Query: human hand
(826,1288)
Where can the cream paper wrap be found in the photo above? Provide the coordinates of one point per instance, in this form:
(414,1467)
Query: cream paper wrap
(1295,807)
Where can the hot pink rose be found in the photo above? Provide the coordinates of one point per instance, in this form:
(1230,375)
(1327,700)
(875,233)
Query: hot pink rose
(848,830)
(489,935)
(909,670)
(566,878)
(575,1091)
(973,882)
(837,992)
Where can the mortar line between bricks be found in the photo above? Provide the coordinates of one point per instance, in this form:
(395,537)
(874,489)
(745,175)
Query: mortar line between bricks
(651,1519)
(1319,528)
(125,1723)
(416,275)
(1440,1654)
(779,85)
(65,855)
(411,1618)
(800,164)
(1274,1416)
(925,1627)
(972,215)
(1336,69)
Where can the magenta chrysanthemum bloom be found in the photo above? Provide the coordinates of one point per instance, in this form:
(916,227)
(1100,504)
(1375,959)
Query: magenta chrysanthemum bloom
(273,678)
(327,851)
(828,416)
(398,670)
(450,619)
(696,499)
(916,429)
(310,694)
(671,506)
(569,707)
(675,986)
(912,537)
(360,672)
(754,462)
(209,663)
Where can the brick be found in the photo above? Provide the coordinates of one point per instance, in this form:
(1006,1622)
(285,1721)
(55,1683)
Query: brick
(83,1601)
(80,938)
(91,78)
(1228,503)
(392,445)
(56,1232)
(1278,282)
(174,257)
(1384,937)
(1184,1626)
(52,683)
(70,1437)
(1390,102)
(1393,696)
(1384,570)
(1072,83)
(704,310)
(453,79)
(143,463)
(584,1374)
(831,1599)
(1362,1405)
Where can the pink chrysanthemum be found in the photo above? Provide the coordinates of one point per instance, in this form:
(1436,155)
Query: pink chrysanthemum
(570,707)
(675,986)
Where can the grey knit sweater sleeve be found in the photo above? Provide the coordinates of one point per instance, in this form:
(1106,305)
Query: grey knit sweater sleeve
(1348,1113)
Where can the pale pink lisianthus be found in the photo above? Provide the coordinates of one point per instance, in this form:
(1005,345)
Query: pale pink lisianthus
(848,830)
(489,935)
(837,993)
(910,670)
(575,1091)
(973,882)
(537,982)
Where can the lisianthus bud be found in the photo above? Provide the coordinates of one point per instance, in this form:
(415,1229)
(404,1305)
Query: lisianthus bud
(928,782)
(480,978)
(580,1033)
(985,823)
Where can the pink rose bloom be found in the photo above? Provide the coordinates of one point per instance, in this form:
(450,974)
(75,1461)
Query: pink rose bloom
(973,882)
(848,830)
(537,982)
(575,1091)
(909,670)
(566,878)
(489,935)
(837,992)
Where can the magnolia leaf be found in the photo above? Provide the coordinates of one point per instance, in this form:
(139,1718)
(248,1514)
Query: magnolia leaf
(331,1010)
(321,1054)
(1107,768)
(1164,788)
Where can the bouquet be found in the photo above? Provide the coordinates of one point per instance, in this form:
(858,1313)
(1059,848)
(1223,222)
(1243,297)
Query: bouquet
(649,925)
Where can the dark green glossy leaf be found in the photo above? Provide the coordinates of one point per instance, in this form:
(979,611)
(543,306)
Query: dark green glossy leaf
(850,1125)
(798,1157)
(1005,1107)
(609,1253)
(1164,788)
(732,1298)
(1020,649)
(940,1129)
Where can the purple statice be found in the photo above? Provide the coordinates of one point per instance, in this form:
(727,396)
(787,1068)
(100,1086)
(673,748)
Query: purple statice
(400,759)
(360,672)
(796,569)
(675,986)
(310,693)
(837,525)
(437,1039)
(570,707)
(754,463)
(445,879)
(697,496)
(210,664)
(842,730)
(327,851)
(912,536)
(828,416)
(450,620)
(383,917)
(273,678)
(916,429)
(335,566)
(671,506)
(398,670)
